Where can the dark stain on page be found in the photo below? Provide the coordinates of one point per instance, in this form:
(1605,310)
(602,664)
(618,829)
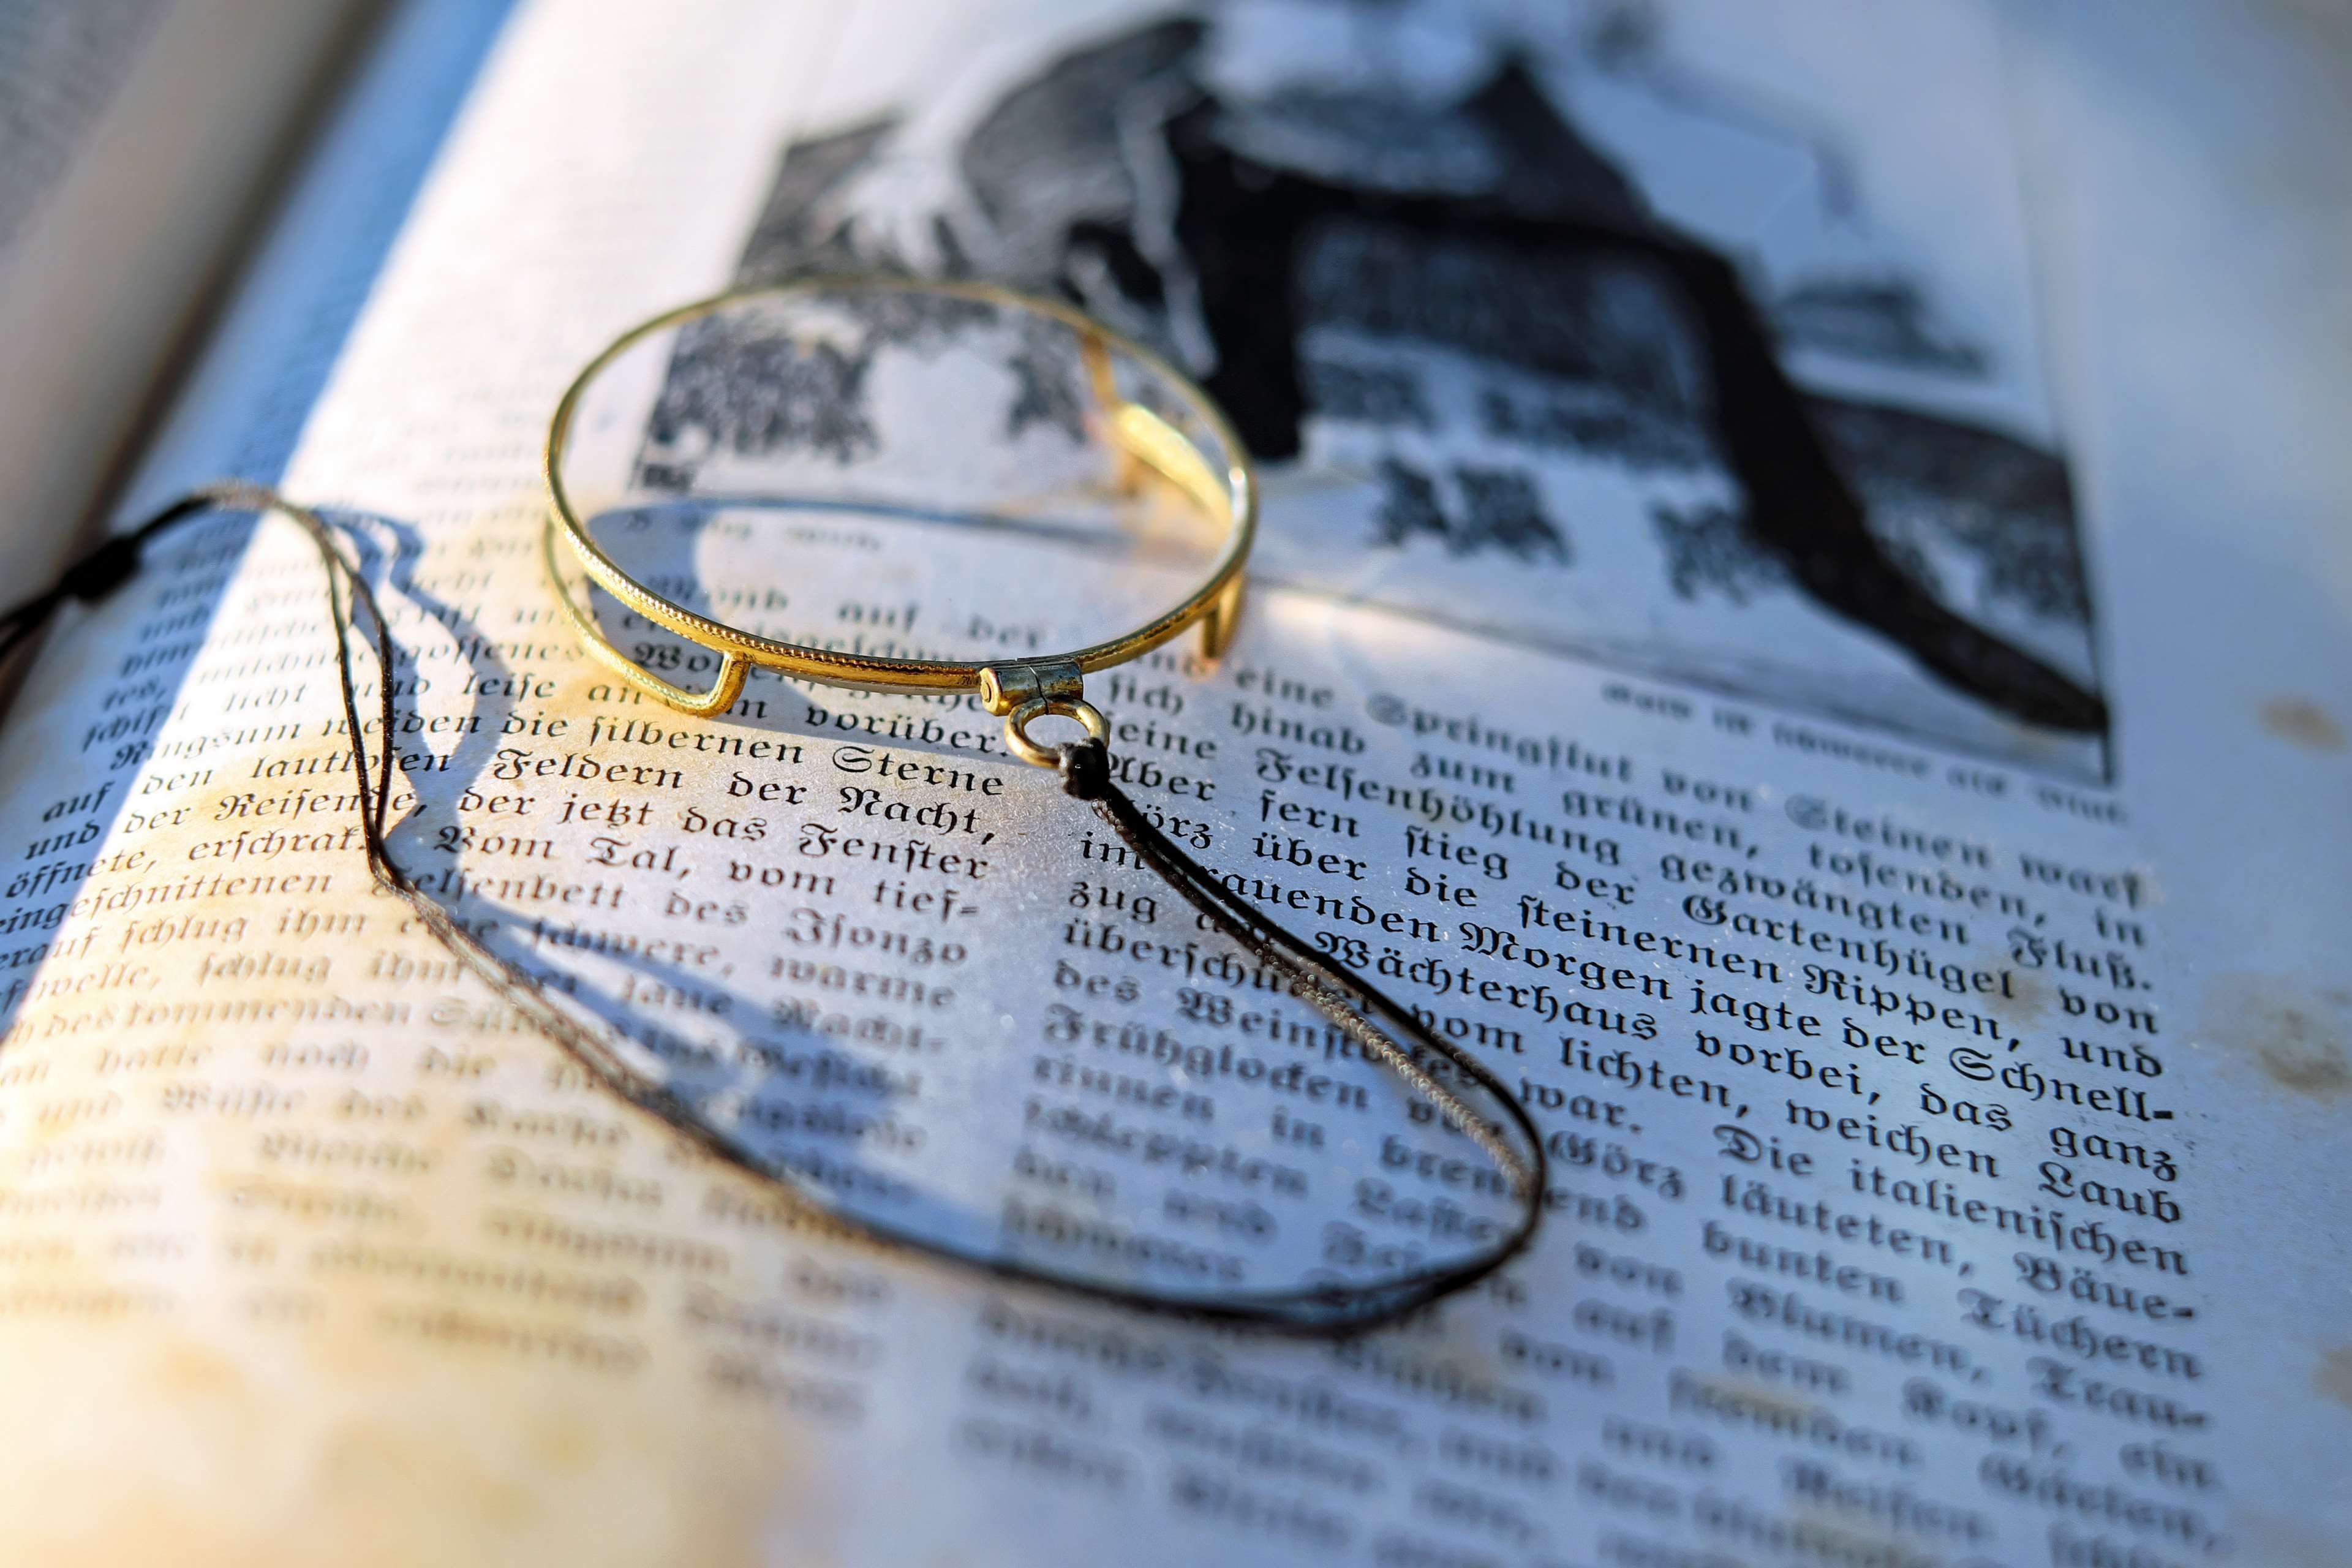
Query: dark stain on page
(2334,1378)
(2296,1035)
(2303,722)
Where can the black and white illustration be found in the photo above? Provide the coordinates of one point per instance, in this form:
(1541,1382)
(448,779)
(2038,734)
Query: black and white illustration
(1539,328)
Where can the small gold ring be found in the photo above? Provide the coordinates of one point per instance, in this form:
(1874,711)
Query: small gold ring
(1141,441)
(1017,723)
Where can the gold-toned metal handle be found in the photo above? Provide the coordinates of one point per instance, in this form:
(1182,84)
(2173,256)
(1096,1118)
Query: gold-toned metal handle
(1017,723)
(1022,693)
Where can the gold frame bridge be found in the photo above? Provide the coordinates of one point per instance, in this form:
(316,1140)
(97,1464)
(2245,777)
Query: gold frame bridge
(1142,445)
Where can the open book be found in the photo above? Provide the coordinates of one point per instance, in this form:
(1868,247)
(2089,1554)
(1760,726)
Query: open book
(139,138)
(1947,1165)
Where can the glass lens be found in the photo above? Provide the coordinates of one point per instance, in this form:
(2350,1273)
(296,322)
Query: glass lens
(896,473)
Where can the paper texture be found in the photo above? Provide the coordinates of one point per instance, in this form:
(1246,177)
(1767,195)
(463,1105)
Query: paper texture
(1879,1228)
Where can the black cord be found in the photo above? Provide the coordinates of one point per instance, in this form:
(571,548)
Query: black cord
(1388,1032)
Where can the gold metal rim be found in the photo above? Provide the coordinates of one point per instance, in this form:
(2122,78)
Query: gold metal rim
(1138,437)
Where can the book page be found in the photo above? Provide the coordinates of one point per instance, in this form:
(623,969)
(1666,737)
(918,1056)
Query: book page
(1886,1221)
(137,136)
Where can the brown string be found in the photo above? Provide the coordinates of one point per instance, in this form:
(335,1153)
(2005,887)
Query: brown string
(1389,1033)
(1339,993)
